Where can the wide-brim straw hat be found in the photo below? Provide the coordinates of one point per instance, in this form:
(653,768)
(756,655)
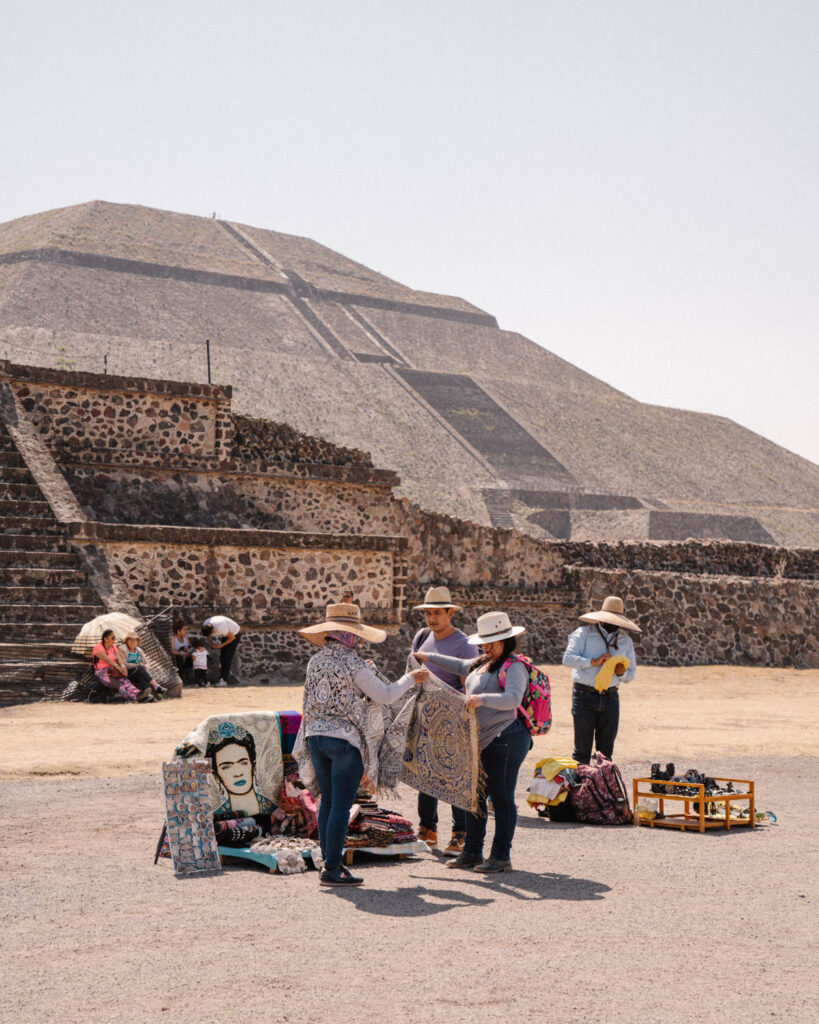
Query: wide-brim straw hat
(494,626)
(347,619)
(611,612)
(438,597)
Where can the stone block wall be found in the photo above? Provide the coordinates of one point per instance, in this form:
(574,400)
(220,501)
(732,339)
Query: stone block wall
(258,577)
(90,410)
(269,525)
(261,501)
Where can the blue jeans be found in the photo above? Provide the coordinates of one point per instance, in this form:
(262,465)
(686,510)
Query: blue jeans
(428,814)
(596,717)
(501,762)
(339,769)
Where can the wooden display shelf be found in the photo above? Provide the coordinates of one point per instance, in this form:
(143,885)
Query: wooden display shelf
(695,820)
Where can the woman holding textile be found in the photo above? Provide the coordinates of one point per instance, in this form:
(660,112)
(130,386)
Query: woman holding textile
(335,722)
(503,738)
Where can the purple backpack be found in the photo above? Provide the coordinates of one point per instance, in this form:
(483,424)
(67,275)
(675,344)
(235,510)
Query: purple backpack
(601,797)
(536,707)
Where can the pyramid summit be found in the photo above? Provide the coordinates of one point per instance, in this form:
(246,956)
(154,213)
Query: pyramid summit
(479,422)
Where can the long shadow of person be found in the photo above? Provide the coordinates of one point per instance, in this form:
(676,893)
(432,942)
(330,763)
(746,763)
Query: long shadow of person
(531,885)
(411,901)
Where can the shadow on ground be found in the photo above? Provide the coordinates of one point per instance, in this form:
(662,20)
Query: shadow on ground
(423,900)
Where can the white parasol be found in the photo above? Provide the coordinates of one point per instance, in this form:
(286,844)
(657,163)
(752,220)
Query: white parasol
(91,633)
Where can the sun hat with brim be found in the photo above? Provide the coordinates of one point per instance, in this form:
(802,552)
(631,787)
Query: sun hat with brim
(437,597)
(611,612)
(494,626)
(347,619)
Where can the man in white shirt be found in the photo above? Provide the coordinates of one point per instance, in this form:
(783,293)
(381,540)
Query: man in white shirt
(596,714)
(224,635)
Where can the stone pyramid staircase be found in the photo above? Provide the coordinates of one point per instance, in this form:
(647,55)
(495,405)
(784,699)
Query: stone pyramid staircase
(44,593)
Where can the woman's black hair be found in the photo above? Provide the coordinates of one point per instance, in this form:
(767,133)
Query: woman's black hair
(105,633)
(509,646)
(246,741)
(178,624)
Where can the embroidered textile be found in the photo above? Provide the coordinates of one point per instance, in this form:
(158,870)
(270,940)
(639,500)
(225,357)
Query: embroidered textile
(333,705)
(441,756)
(190,836)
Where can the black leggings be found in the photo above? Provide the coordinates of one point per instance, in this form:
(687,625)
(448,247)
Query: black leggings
(139,676)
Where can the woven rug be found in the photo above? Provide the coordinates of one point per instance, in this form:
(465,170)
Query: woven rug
(441,757)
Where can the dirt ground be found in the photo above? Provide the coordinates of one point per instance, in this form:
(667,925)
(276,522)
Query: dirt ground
(608,925)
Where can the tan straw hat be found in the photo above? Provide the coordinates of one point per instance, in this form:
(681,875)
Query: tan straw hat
(346,618)
(611,612)
(438,597)
(494,626)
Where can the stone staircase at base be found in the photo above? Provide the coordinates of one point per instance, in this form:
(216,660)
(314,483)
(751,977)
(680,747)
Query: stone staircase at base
(44,594)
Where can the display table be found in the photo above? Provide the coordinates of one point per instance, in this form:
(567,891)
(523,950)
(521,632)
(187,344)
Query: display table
(699,811)
(400,850)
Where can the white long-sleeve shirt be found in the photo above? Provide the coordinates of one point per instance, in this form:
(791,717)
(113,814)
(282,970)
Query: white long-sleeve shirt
(586,643)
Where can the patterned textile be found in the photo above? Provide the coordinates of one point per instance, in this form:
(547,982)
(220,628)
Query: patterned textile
(441,757)
(245,754)
(333,704)
(190,835)
(289,724)
(373,827)
(297,813)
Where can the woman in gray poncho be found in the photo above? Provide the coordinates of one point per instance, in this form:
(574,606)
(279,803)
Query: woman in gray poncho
(335,723)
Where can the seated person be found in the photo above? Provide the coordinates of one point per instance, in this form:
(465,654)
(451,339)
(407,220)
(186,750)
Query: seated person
(109,669)
(138,674)
(181,650)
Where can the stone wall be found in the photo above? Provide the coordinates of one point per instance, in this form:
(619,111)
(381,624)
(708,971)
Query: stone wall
(90,410)
(258,577)
(261,501)
(269,525)
(263,441)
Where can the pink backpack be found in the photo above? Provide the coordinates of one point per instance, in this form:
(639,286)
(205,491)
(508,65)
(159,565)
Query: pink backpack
(536,707)
(601,797)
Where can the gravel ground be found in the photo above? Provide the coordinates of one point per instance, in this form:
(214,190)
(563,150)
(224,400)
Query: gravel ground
(601,925)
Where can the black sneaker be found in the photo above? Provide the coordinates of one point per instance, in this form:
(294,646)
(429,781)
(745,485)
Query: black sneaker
(494,864)
(464,861)
(338,876)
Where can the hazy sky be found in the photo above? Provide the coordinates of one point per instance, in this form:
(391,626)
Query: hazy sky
(633,185)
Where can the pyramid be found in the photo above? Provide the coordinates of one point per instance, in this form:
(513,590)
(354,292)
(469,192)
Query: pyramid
(479,422)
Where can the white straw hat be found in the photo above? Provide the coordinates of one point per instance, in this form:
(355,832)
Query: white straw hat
(346,618)
(437,597)
(611,612)
(494,626)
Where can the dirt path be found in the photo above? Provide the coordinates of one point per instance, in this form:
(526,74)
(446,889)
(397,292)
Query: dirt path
(666,713)
(594,925)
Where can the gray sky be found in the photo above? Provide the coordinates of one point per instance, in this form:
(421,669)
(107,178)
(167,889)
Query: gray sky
(633,185)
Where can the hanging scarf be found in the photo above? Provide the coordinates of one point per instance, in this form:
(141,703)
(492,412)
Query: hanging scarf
(348,639)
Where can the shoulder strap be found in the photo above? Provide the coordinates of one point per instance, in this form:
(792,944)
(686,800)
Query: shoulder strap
(502,674)
(421,637)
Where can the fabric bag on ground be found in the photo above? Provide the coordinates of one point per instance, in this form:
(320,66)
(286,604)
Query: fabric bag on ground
(601,797)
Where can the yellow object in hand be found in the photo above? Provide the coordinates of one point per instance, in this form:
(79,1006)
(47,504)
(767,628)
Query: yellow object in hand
(606,671)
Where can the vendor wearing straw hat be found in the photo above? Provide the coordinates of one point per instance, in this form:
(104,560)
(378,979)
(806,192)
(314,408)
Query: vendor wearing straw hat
(441,637)
(503,738)
(594,648)
(335,723)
